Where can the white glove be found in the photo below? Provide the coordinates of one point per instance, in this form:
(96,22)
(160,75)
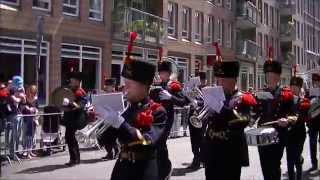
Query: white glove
(109,115)
(194,103)
(165,95)
(65,102)
(283,122)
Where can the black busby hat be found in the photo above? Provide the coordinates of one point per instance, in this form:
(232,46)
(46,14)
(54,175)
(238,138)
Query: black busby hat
(315,77)
(140,71)
(272,66)
(110,82)
(77,75)
(202,75)
(227,69)
(296,81)
(164,66)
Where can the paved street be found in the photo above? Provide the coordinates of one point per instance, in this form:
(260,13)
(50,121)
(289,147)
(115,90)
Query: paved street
(94,169)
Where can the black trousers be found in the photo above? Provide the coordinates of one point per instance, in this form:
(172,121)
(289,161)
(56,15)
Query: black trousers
(195,138)
(314,134)
(163,161)
(270,161)
(72,143)
(294,150)
(138,170)
(225,171)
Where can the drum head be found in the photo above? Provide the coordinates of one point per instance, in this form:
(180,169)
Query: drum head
(59,94)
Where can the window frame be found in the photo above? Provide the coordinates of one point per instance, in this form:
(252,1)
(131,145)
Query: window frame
(23,45)
(95,11)
(71,6)
(10,3)
(174,11)
(81,57)
(185,33)
(210,28)
(43,9)
(199,25)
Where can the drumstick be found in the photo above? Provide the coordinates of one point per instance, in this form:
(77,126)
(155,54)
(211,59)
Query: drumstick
(269,123)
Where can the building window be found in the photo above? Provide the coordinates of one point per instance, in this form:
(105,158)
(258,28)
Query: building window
(220,31)
(186,22)
(229,35)
(272,16)
(172,16)
(96,10)
(71,7)
(266,14)
(266,45)
(210,32)
(42,5)
(10,2)
(228,4)
(199,26)
(18,56)
(260,43)
(82,58)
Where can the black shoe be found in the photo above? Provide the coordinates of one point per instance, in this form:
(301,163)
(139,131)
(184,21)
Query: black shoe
(109,156)
(313,168)
(72,163)
(194,165)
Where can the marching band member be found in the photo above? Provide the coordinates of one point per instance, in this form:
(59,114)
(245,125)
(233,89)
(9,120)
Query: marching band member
(274,109)
(225,148)
(196,134)
(107,138)
(297,132)
(314,126)
(73,114)
(169,96)
(140,126)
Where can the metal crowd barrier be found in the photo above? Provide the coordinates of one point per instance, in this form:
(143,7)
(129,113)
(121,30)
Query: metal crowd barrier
(180,123)
(26,134)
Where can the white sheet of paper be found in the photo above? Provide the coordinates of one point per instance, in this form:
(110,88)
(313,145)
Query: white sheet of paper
(264,95)
(193,82)
(216,92)
(112,100)
(315,92)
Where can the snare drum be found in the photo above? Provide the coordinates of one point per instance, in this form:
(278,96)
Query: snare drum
(262,136)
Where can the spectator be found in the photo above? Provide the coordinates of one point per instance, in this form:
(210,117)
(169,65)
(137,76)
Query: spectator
(30,122)
(13,130)
(4,95)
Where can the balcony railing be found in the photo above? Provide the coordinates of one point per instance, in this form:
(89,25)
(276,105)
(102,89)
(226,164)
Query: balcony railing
(248,14)
(287,7)
(151,29)
(247,48)
(287,32)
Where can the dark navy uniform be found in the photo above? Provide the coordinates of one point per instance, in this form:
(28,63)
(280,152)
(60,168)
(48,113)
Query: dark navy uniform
(297,134)
(139,162)
(178,99)
(138,156)
(73,118)
(196,134)
(314,130)
(272,110)
(225,149)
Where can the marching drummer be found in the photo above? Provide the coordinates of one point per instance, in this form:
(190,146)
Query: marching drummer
(314,125)
(107,139)
(275,105)
(225,148)
(169,96)
(73,115)
(297,132)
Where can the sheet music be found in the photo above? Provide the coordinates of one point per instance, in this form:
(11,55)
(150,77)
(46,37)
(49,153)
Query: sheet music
(263,95)
(112,100)
(193,82)
(214,97)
